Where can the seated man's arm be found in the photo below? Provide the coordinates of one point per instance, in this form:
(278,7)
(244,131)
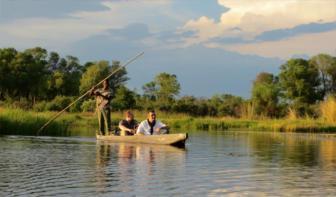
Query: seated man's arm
(136,125)
(122,127)
(160,126)
(140,130)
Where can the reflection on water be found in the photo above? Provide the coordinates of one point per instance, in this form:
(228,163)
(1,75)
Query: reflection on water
(126,167)
(214,164)
(129,165)
(288,150)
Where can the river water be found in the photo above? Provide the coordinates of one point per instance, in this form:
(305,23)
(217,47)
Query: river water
(212,164)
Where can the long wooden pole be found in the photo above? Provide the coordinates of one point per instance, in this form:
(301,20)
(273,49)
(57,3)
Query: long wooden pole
(82,96)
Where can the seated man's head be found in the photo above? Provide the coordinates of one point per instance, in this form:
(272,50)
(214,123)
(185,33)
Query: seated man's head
(151,115)
(129,115)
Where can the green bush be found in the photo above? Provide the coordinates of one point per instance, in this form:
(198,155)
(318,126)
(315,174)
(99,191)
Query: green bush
(88,106)
(58,103)
(76,107)
(22,103)
(40,106)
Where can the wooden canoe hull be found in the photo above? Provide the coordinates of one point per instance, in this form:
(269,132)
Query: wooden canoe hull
(168,139)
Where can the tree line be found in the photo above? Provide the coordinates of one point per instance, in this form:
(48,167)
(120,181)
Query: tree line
(37,79)
(300,86)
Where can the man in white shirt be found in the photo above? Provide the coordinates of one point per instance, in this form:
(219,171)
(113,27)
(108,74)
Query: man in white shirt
(151,126)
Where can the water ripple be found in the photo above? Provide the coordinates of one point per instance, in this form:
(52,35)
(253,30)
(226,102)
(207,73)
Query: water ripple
(225,164)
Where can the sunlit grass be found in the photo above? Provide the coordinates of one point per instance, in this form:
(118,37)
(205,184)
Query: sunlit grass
(17,121)
(328,109)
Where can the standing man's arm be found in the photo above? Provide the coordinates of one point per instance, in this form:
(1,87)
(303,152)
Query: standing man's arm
(106,97)
(94,91)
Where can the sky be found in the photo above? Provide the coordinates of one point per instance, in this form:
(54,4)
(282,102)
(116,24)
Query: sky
(212,46)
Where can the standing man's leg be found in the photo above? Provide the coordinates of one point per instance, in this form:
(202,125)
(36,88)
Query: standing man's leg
(101,121)
(99,117)
(105,123)
(108,119)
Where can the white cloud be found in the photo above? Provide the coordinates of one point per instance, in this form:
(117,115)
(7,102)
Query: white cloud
(309,44)
(244,19)
(248,18)
(60,32)
(51,31)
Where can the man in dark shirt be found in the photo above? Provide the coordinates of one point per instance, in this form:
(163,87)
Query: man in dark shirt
(103,98)
(129,125)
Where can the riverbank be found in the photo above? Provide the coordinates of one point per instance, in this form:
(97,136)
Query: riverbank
(20,122)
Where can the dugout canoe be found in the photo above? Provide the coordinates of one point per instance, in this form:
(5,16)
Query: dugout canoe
(167,139)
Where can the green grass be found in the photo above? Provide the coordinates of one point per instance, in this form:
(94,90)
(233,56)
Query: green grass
(283,125)
(20,122)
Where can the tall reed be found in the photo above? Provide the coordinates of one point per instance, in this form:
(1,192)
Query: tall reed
(248,111)
(292,114)
(328,109)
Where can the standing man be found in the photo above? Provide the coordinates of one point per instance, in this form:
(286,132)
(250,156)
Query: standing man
(151,126)
(103,98)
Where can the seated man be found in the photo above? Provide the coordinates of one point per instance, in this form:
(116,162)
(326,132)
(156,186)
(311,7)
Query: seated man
(151,126)
(129,125)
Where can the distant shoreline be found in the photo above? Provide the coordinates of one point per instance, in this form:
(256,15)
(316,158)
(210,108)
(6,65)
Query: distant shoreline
(21,122)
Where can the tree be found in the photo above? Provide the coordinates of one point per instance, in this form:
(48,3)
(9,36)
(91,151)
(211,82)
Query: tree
(203,107)
(29,70)
(7,55)
(98,71)
(37,72)
(186,104)
(124,99)
(326,65)
(299,83)
(38,54)
(93,75)
(72,76)
(23,74)
(168,86)
(265,94)
(163,90)
(53,60)
(150,90)
(72,64)
(64,77)
(119,78)
(226,105)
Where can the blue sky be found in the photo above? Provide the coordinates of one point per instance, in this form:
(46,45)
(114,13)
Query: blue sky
(213,46)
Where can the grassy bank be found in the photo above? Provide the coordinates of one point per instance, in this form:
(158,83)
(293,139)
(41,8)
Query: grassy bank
(16,121)
(21,122)
(279,125)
